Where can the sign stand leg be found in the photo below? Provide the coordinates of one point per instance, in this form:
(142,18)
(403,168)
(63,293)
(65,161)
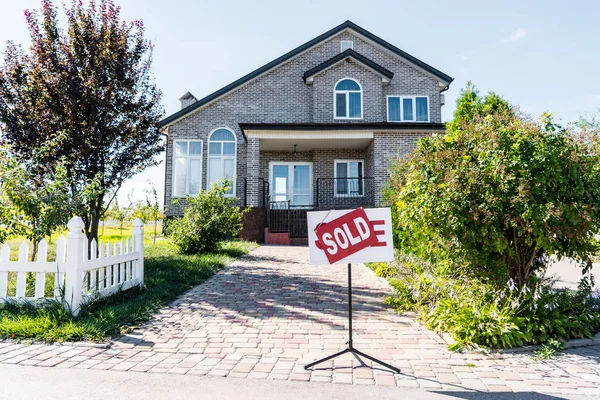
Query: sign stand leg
(350,348)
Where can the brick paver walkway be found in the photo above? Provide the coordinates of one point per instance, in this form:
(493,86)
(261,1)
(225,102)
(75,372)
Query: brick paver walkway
(270,313)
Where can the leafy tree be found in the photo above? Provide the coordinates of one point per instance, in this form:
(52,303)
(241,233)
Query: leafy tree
(499,193)
(153,210)
(31,205)
(85,93)
(208,219)
(120,213)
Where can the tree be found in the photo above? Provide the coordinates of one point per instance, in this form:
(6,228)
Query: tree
(85,93)
(34,206)
(499,192)
(153,210)
(120,214)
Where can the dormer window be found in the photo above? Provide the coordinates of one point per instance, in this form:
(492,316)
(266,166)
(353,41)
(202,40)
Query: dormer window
(346,44)
(347,100)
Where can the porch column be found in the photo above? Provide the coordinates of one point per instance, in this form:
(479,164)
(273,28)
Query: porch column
(253,172)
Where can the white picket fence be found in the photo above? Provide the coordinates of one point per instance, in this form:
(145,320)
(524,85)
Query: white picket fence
(112,267)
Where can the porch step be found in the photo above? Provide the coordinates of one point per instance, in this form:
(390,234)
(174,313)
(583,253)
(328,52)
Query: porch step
(283,239)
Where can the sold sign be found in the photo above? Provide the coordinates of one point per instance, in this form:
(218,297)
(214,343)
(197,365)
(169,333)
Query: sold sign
(346,235)
(360,235)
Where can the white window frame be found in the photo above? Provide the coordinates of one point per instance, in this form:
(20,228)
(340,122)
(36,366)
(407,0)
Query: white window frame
(342,42)
(347,93)
(188,157)
(222,157)
(291,180)
(414,107)
(347,162)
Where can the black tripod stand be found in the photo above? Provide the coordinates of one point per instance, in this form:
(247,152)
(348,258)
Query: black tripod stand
(350,348)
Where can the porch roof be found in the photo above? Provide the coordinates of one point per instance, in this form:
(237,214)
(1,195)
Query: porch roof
(341,130)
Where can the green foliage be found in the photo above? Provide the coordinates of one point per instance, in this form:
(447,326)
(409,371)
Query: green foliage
(86,94)
(382,269)
(477,314)
(209,218)
(154,212)
(547,351)
(33,204)
(167,275)
(499,193)
(120,213)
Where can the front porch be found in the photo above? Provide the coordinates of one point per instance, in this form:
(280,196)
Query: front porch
(328,194)
(297,175)
(296,167)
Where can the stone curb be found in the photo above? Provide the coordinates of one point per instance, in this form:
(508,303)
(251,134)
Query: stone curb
(571,344)
(102,345)
(380,279)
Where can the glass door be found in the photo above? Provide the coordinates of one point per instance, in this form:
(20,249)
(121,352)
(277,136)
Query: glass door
(291,182)
(280,184)
(301,193)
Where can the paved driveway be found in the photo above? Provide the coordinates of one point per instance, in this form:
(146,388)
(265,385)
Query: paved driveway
(270,313)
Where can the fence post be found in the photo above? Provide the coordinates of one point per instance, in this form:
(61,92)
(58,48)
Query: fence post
(73,266)
(138,245)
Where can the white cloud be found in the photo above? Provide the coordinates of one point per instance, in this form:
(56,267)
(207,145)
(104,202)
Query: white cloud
(516,36)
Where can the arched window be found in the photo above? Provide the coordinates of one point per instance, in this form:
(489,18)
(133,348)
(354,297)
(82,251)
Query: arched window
(347,99)
(221,157)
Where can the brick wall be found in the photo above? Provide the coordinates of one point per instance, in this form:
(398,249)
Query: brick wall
(280,96)
(387,146)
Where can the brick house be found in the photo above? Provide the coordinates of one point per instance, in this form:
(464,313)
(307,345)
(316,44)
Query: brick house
(313,129)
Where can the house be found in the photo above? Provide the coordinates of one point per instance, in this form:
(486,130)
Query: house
(313,129)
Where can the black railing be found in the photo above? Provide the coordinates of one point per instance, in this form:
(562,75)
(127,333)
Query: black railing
(329,193)
(336,193)
(265,197)
(283,217)
(245,192)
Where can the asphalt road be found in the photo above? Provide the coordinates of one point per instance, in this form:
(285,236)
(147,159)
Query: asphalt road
(32,383)
(568,273)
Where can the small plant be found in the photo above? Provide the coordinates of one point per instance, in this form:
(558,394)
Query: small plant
(547,351)
(209,218)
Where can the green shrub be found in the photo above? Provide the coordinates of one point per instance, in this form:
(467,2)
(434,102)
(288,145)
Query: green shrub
(477,314)
(498,193)
(382,269)
(209,218)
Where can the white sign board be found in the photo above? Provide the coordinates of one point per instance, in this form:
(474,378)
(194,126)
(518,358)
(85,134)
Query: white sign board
(350,236)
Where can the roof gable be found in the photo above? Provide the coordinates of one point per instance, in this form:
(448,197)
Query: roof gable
(386,74)
(348,25)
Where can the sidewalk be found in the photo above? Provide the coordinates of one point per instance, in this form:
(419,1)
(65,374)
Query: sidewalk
(31,383)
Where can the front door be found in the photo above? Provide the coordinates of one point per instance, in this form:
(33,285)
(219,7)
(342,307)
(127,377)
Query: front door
(291,183)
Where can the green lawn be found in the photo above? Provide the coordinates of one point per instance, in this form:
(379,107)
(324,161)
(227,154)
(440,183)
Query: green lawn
(167,275)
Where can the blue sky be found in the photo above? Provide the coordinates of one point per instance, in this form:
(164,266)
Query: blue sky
(540,55)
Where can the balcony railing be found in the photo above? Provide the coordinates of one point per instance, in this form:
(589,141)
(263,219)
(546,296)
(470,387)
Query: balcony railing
(328,193)
(337,193)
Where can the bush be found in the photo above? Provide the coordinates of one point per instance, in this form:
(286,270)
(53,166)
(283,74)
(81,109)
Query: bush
(209,218)
(477,314)
(498,193)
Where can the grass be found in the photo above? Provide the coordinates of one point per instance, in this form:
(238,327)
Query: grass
(107,234)
(167,275)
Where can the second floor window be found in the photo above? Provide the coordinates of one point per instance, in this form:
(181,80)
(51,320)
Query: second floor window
(347,100)
(221,157)
(408,108)
(187,167)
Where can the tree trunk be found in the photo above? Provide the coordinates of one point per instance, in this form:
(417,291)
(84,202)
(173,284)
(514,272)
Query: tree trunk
(35,249)
(155,224)
(93,233)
